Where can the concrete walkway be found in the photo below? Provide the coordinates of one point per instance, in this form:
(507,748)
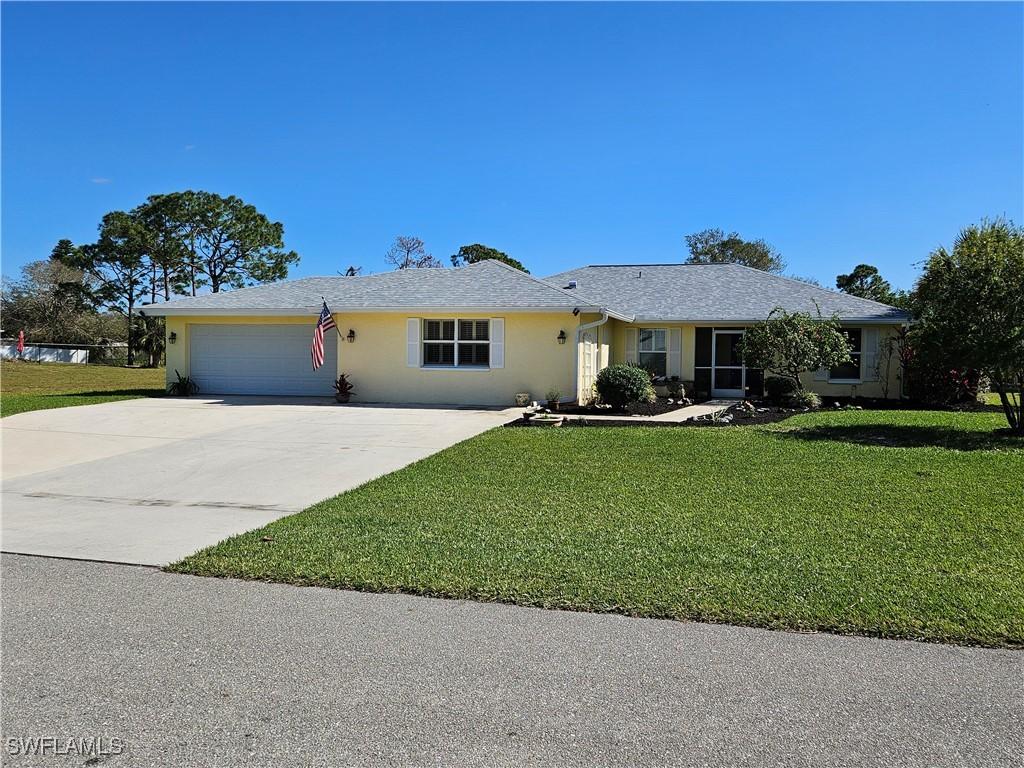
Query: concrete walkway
(151,481)
(208,672)
(678,416)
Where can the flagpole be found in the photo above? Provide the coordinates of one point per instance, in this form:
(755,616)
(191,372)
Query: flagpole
(332,315)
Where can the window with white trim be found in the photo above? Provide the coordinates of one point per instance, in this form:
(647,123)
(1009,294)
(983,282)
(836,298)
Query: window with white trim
(849,371)
(457,343)
(652,352)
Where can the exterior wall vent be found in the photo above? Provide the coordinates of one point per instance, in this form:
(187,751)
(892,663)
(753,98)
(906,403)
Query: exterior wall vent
(571,285)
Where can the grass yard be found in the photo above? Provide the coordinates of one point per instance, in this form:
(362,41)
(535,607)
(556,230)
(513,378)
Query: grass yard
(992,398)
(816,523)
(28,386)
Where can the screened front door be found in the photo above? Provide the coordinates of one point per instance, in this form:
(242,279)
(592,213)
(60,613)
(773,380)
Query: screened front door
(728,374)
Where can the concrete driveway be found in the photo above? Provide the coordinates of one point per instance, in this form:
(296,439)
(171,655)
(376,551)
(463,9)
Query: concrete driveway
(150,481)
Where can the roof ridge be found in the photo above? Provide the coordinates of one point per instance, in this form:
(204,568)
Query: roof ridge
(574,296)
(832,291)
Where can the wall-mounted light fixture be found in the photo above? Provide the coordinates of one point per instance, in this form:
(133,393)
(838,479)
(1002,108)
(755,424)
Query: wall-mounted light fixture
(351,336)
(172,337)
(561,337)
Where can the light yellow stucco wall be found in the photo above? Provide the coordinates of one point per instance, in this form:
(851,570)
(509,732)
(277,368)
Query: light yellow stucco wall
(617,334)
(534,361)
(376,360)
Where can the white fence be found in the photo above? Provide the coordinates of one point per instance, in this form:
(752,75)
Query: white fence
(43,354)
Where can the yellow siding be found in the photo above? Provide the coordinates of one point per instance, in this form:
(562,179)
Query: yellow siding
(534,361)
(616,332)
(376,361)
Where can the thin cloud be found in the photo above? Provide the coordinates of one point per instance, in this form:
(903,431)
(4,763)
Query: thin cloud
(100,180)
(189,147)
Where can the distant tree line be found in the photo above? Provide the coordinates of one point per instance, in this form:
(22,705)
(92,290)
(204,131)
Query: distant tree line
(409,252)
(171,245)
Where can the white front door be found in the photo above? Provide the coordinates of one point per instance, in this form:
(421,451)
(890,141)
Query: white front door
(260,360)
(728,374)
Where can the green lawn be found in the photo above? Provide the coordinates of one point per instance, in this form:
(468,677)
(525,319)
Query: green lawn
(816,523)
(28,386)
(992,398)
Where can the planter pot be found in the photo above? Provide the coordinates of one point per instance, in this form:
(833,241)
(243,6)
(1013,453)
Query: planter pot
(547,421)
(552,405)
(342,398)
(522,399)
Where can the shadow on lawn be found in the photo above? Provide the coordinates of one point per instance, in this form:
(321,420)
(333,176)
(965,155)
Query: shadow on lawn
(147,392)
(908,436)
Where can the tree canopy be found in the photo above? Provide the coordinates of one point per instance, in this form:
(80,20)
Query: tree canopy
(170,245)
(117,267)
(471,254)
(866,282)
(970,303)
(52,301)
(713,246)
(205,238)
(408,252)
(788,344)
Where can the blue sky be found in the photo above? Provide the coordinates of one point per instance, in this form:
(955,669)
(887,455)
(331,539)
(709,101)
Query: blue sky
(562,134)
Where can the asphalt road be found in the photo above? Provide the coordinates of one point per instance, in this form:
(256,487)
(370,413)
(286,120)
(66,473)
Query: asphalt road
(207,672)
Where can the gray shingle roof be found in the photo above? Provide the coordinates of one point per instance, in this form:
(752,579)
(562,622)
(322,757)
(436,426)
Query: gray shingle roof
(646,292)
(711,292)
(485,285)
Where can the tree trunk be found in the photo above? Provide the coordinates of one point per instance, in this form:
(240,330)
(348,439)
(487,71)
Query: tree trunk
(131,351)
(1014,411)
(152,286)
(167,285)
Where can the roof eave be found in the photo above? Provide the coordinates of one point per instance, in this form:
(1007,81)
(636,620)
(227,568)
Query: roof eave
(749,321)
(158,310)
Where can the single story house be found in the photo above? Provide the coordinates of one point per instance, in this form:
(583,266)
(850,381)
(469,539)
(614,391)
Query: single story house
(480,334)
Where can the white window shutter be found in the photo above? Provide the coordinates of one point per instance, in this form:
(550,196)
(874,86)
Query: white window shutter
(631,337)
(869,354)
(412,342)
(497,342)
(675,358)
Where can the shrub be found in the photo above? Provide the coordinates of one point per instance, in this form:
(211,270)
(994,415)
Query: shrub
(778,389)
(343,386)
(620,385)
(805,399)
(183,387)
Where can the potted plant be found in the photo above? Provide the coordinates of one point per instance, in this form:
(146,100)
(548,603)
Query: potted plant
(553,396)
(522,399)
(547,420)
(342,389)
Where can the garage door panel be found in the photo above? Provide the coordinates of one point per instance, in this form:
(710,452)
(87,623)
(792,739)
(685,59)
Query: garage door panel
(259,360)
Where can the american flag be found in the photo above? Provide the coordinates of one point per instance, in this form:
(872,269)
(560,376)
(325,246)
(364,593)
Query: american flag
(325,323)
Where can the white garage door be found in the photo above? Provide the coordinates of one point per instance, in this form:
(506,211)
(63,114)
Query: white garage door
(260,360)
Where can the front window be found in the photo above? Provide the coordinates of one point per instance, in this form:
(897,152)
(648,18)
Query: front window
(849,371)
(653,350)
(457,343)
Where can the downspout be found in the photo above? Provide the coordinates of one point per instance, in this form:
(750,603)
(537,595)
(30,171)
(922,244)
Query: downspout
(576,353)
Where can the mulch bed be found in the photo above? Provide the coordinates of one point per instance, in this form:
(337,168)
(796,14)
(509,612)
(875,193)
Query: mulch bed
(576,416)
(659,406)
